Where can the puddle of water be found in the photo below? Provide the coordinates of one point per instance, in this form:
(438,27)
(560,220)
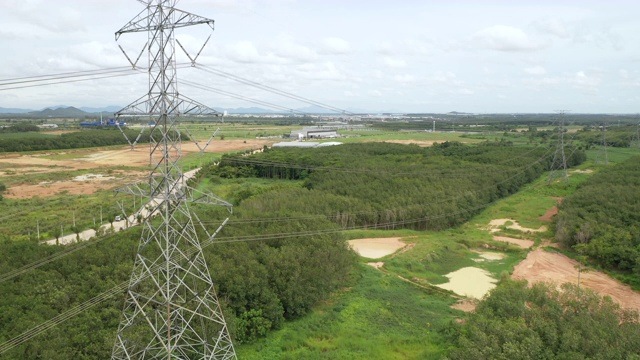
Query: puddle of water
(470,281)
(376,248)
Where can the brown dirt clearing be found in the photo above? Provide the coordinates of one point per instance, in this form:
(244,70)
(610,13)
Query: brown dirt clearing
(525,244)
(541,265)
(96,159)
(549,214)
(466,305)
(494,226)
(79,185)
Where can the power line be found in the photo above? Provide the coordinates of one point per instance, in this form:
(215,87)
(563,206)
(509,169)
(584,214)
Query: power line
(270,89)
(240,97)
(118,289)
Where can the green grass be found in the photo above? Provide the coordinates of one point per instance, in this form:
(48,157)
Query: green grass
(380,317)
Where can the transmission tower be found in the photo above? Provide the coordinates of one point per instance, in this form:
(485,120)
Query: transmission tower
(171,310)
(602,154)
(559,163)
(636,138)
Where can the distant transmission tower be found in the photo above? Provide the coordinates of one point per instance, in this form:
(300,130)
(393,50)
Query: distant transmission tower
(636,138)
(602,154)
(559,163)
(171,310)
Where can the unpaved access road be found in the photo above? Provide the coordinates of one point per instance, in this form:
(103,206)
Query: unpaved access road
(541,265)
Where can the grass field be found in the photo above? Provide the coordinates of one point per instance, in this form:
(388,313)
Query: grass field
(385,317)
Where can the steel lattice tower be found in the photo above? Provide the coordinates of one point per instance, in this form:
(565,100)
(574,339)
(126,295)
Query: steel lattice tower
(171,310)
(559,162)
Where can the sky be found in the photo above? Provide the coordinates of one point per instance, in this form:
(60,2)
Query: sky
(394,56)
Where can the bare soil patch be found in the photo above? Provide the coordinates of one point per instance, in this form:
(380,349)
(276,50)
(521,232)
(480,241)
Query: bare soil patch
(466,305)
(79,185)
(494,226)
(556,268)
(375,248)
(376,265)
(549,214)
(27,164)
(487,255)
(525,244)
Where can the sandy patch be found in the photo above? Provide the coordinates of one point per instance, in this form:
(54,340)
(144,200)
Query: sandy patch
(376,265)
(470,281)
(93,177)
(465,305)
(525,244)
(552,267)
(494,226)
(491,255)
(376,247)
(586,171)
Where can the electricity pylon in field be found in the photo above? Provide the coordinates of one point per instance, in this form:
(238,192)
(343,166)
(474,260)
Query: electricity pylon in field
(171,310)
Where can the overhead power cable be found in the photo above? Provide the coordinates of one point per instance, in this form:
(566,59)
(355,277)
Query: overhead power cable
(240,97)
(58,81)
(56,256)
(271,89)
(118,289)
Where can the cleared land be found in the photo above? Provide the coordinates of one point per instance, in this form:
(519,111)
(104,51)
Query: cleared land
(541,265)
(99,162)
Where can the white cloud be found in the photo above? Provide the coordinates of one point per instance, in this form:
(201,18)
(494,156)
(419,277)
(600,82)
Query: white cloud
(286,47)
(393,62)
(586,83)
(506,38)
(334,45)
(246,52)
(553,26)
(535,70)
(322,71)
(405,78)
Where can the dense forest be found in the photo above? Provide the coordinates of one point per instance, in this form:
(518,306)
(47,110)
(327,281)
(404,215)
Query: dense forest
(282,252)
(602,219)
(542,322)
(385,185)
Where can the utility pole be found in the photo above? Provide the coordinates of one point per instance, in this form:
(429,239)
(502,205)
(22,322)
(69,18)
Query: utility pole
(559,162)
(171,310)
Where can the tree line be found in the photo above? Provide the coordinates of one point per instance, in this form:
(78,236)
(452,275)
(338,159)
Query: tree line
(543,322)
(385,185)
(602,219)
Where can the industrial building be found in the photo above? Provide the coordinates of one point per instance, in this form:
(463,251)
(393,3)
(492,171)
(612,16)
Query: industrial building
(313,133)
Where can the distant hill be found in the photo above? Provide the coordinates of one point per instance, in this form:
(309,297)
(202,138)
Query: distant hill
(14,111)
(60,112)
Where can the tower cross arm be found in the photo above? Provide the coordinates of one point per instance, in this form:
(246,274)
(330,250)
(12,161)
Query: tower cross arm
(143,22)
